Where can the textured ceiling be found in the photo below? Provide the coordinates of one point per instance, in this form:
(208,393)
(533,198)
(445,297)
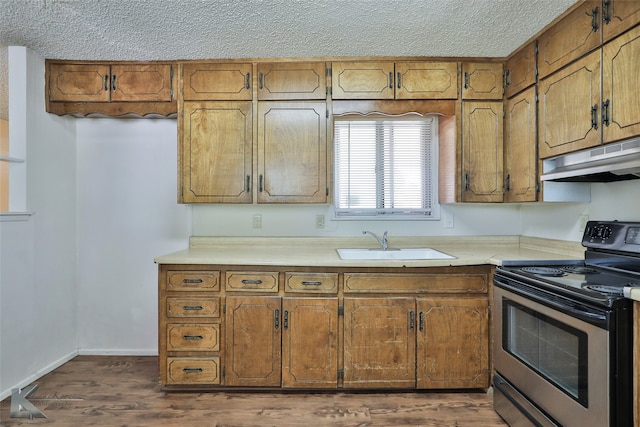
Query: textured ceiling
(200,29)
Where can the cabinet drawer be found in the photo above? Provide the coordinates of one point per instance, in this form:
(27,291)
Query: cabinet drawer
(193,307)
(193,280)
(423,283)
(193,370)
(265,281)
(193,337)
(311,282)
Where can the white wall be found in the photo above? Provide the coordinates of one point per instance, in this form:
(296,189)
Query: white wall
(38,256)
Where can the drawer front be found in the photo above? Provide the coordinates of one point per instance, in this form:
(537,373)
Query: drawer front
(311,282)
(193,307)
(421,283)
(252,281)
(193,370)
(193,280)
(186,337)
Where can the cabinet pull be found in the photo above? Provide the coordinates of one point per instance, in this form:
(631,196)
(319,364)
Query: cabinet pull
(251,282)
(506,78)
(594,19)
(606,11)
(466,182)
(276,319)
(192,370)
(106,82)
(192,281)
(247,81)
(286,320)
(192,307)
(594,117)
(260,184)
(412,318)
(421,320)
(466,80)
(605,113)
(113,82)
(260,79)
(193,337)
(311,283)
(399,81)
(390,80)
(507,183)
(248,183)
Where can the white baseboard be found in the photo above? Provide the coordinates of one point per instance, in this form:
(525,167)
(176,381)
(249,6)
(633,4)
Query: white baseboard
(119,352)
(38,374)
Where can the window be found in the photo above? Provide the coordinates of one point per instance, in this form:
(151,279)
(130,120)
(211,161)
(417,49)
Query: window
(386,167)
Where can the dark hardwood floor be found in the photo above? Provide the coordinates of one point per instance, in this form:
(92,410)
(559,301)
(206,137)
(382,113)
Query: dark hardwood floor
(124,391)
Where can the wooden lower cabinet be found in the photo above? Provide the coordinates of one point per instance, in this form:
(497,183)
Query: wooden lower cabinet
(323,328)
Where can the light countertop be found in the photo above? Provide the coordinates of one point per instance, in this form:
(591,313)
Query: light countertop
(321,251)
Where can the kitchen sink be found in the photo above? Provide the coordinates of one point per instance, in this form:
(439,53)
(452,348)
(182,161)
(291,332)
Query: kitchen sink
(407,253)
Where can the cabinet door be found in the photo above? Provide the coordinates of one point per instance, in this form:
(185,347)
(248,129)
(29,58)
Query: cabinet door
(568,108)
(482,152)
(482,80)
(253,340)
(204,81)
(379,342)
(141,82)
(453,343)
(310,342)
(619,16)
(362,80)
(426,80)
(292,152)
(573,36)
(520,158)
(216,140)
(520,71)
(292,80)
(621,87)
(79,82)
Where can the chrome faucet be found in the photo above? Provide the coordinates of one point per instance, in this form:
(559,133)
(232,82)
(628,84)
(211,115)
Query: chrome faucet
(383,242)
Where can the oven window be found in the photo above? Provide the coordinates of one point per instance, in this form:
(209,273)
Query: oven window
(556,351)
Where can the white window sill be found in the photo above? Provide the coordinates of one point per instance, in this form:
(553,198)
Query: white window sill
(15,216)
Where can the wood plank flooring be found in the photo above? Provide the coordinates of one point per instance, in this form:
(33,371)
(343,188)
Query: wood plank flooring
(124,391)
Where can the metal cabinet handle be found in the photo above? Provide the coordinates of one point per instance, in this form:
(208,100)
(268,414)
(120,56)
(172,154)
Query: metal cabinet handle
(605,113)
(466,80)
(192,370)
(251,282)
(193,337)
(606,11)
(507,183)
(594,117)
(286,320)
(260,184)
(261,80)
(466,182)
(113,82)
(192,281)
(247,81)
(276,319)
(106,82)
(421,320)
(310,283)
(412,319)
(399,81)
(248,183)
(594,20)
(192,307)
(390,80)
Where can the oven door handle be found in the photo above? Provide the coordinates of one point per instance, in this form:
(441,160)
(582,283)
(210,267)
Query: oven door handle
(597,318)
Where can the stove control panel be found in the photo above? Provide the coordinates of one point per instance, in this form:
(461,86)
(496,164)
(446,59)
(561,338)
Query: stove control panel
(612,235)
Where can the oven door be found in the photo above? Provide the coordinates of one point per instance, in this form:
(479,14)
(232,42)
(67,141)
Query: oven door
(554,359)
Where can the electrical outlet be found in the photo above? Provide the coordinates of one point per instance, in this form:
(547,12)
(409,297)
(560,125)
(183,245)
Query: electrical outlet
(448,220)
(582,222)
(319,221)
(257,221)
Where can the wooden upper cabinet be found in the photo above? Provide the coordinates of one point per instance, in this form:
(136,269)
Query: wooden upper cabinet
(621,86)
(482,151)
(292,80)
(399,80)
(215,154)
(105,83)
(426,80)
(292,152)
(572,37)
(520,156)
(618,16)
(520,70)
(569,108)
(453,343)
(482,80)
(362,80)
(215,81)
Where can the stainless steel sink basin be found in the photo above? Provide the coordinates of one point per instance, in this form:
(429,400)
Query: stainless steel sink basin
(407,253)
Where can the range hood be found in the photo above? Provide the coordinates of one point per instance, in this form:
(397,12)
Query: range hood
(619,161)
